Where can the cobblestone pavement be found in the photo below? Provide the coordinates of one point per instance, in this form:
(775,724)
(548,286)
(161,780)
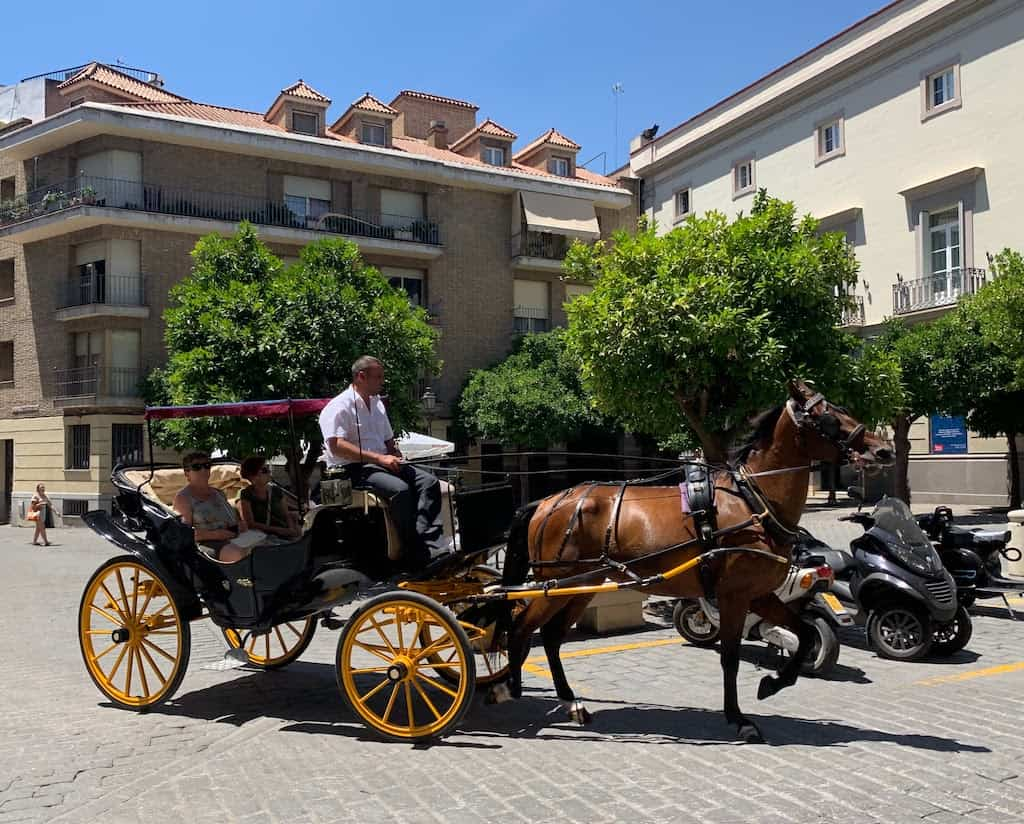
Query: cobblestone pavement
(881,741)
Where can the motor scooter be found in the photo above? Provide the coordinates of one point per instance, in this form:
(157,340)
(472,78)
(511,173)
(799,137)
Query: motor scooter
(806,589)
(972,557)
(894,584)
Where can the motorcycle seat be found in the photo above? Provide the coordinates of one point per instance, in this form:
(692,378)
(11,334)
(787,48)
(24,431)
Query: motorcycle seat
(982,536)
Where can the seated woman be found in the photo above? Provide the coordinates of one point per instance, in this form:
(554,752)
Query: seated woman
(263,506)
(207,511)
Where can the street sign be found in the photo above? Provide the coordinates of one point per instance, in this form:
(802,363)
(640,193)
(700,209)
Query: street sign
(948,435)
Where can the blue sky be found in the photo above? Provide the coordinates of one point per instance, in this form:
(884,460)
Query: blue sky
(529,65)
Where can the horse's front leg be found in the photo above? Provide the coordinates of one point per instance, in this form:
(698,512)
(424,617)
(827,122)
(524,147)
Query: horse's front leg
(553,633)
(732,613)
(771,608)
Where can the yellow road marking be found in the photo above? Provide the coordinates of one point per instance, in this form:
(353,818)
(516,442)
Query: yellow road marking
(1002,669)
(531,664)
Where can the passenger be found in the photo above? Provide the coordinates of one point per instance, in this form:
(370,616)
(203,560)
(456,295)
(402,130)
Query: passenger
(357,433)
(207,511)
(262,505)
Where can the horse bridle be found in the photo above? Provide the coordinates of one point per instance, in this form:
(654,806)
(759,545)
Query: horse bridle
(826,425)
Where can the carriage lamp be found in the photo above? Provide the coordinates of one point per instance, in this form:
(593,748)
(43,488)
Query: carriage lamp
(429,404)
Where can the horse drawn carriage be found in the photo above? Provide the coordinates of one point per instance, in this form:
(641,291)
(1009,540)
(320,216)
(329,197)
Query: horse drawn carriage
(412,653)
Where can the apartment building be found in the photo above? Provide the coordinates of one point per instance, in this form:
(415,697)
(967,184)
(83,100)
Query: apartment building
(107,179)
(902,132)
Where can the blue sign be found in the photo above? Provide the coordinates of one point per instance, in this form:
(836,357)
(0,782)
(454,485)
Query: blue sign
(948,435)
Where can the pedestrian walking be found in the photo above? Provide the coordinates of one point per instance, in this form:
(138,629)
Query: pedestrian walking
(40,510)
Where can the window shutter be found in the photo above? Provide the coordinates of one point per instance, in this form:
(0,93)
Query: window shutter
(307,187)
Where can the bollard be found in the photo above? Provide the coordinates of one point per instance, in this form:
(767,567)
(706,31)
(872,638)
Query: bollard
(1016,567)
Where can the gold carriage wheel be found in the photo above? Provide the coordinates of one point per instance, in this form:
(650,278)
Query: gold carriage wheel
(133,640)
(491,651)
(385,674)
(277,648)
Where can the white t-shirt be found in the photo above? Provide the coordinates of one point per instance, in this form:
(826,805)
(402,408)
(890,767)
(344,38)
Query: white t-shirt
(348,417)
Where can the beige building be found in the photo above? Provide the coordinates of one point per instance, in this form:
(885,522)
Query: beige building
(107,180)
(901,131)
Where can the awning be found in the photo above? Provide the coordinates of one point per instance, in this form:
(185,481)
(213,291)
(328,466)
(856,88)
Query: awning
(941,184)
(569,216)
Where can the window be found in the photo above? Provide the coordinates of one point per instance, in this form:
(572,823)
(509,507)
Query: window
(78,446)
(574,290)
(74,508)
(6,279)
(411,280)
(559,166)
(403,212)
(6,189)
(6,361)
(743,178)
(944,251)
(494,156)
(940,91)
(126,444)
(305,123)
(374,134)
(86,349)
(682,203)
(307,199)
(829,140)
(531,306)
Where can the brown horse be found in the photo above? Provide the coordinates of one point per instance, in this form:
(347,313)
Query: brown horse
(759,501)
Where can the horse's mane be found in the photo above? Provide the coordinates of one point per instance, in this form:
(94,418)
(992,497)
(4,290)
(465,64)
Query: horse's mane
(761,430)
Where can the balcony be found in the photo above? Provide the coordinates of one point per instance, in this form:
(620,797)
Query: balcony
(103,296)
(935,291)
(853,310)
(97,385)
(540,251)
(52,210)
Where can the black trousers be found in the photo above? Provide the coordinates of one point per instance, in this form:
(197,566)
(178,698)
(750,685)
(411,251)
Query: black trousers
(414,501)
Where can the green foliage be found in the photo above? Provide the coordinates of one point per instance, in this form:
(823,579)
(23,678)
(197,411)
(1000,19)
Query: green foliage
(532,399)
(999,310)
(243,327)
(698,329)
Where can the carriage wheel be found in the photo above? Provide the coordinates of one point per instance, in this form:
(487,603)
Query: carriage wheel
(385,674)
(480,623)
(277,648)
(134,642)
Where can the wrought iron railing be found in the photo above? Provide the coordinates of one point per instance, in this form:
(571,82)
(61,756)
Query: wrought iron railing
(111,290)
(97,381)
(540,244)
(86,190)
(145,75)
(929,292)
(853,310)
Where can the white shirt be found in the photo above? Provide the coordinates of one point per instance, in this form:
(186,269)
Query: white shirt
(348,417)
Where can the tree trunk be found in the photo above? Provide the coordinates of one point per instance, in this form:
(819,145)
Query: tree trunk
(901,442)
(715,449)
(1011,439)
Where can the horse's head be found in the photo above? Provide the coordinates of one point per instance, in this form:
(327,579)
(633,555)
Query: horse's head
(832,433)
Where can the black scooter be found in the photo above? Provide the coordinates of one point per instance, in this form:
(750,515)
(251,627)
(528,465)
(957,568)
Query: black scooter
(894,584)
(972,557)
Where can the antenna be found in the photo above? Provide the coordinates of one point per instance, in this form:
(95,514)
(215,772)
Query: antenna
(617,90)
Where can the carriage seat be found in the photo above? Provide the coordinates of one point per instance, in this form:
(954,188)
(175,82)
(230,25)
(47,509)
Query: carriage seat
(169,481)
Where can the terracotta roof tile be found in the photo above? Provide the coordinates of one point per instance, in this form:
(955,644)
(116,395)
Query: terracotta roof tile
(107,76)
(552,137)
(435,98)
(305,91)
(369,103)
(489,128)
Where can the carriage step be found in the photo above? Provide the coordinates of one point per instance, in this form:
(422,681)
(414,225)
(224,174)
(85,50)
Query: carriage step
(332,622)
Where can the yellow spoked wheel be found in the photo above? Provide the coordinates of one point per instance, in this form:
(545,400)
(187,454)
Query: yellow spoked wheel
(278,647)
(386,673)
(134,642)
(490,647)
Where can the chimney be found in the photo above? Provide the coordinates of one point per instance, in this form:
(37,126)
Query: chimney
(437,136)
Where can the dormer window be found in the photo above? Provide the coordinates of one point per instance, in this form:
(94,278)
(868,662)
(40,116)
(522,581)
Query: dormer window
(494,156)
(306,123)
(374,134)
(559,166)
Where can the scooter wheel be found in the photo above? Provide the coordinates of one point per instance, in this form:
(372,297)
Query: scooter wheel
(824,653)
(693,624)
(952,637)
(901,632)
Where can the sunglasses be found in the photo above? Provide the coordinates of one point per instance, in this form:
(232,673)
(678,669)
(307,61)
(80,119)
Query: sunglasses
(199,467)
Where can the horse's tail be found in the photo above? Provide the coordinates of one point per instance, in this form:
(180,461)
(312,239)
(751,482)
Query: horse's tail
(517,550)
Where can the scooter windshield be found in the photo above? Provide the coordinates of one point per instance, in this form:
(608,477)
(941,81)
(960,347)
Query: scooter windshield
(895,517)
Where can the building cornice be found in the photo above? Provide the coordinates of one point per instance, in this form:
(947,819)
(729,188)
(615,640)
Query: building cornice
(92,119)
(867,41)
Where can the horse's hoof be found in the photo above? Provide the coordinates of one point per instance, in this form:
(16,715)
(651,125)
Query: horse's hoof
(580,714)
(498,694)
(750,734)
(767,688)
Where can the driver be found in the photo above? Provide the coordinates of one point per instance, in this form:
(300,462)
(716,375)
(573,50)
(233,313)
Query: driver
(358,434)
